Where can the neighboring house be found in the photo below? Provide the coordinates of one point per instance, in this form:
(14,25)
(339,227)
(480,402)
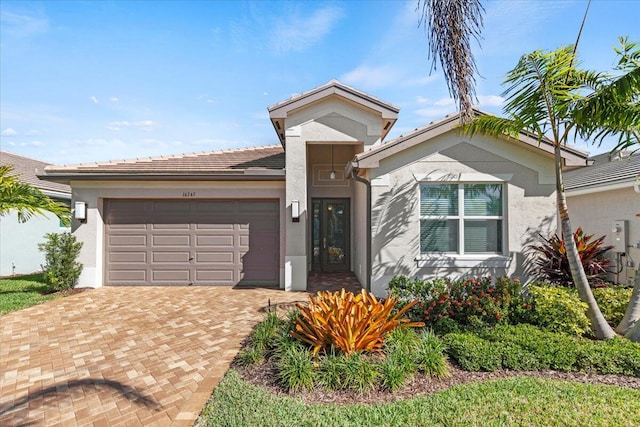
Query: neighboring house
(428,203)
(19,252)
(604,199)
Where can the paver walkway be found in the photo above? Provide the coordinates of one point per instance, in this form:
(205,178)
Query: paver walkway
(123,355)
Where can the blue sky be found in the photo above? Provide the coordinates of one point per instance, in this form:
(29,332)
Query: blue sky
(85,81)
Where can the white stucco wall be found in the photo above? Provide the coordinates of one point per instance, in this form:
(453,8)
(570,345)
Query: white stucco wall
(91,233)
(19,242)
(529,198)
(596,212)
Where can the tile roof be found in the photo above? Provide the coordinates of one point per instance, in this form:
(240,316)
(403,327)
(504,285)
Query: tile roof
(605,170)
(28,169)
(269,157)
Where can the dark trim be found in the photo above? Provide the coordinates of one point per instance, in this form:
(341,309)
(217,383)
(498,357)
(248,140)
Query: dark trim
(66,178)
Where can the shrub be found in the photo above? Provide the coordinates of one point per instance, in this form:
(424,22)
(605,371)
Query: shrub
(407,290)
(553,265)
(348,322)
(528,347)
(61,269)
(558,309)
(429,355)
(472,301)
(360,373)
(613,301)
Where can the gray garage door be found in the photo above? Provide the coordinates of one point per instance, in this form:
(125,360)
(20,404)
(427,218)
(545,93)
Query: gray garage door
(183,242)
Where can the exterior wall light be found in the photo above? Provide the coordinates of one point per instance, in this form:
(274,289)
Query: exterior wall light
(295,211)
(80,211)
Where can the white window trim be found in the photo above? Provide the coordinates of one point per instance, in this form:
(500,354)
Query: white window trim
(461,259)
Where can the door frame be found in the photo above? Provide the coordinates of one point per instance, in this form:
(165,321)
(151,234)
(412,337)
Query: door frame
(323,266)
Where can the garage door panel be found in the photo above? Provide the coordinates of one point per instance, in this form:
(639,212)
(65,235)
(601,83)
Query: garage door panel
(174,275)
(215,257)
(171,257)
(171,240)
(215,241)
(128,240)
(129,275)
(128,257)
(180,242)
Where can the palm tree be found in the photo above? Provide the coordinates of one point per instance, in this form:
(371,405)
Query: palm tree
(26,199)
(450,26)
(547,96)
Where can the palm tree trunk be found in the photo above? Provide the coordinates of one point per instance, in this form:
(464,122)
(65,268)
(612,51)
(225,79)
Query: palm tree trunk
(632,315)
(599,325)
(634,333)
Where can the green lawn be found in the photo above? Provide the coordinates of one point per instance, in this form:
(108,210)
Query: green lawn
(24,291)
(514,401)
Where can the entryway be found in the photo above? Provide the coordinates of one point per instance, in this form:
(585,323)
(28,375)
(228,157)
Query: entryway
(330,243)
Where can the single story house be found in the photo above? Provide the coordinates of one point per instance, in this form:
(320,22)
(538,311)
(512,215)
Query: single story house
(19,252)
(604,199)
(332,195)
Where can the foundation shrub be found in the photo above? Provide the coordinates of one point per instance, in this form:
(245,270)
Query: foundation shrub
(61,268)
(527,347)
(613,301)
(472,301)
(558,309)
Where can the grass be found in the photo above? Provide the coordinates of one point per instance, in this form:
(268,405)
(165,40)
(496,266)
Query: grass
(513,401)
(25,291)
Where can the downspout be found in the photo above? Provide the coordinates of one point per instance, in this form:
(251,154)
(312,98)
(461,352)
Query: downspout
(367,284)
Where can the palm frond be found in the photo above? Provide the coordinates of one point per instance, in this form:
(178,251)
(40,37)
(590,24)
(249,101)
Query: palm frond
(450,26)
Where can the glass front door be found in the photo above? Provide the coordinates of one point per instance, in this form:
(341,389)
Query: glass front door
(330,235)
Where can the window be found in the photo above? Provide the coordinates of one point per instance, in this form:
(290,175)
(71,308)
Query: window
(461,218)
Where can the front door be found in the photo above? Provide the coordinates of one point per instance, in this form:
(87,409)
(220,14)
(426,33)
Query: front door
(330,235)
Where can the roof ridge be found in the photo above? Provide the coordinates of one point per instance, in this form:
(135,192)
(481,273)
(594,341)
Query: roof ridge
(166,157)
(24,157)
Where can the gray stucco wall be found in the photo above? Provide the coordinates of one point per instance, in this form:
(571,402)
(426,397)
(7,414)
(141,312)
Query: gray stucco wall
(595,213)
(529,200)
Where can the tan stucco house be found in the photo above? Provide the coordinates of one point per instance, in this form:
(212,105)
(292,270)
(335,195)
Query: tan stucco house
(332,195)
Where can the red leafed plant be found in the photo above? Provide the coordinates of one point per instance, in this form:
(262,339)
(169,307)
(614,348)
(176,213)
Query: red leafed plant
(348,322)
(553,265)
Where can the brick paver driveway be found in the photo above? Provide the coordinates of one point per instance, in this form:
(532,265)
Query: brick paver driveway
(124,355)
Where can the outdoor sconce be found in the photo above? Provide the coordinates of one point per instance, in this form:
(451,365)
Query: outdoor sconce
(80,211)
(295,211)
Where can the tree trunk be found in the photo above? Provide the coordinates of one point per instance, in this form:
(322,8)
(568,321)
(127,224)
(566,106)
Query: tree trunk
(599,325)
(634,333)
(632,315)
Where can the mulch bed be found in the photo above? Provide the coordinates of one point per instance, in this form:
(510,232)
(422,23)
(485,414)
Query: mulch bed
(263,375)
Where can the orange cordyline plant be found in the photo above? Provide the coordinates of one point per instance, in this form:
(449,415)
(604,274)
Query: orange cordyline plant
(349,322)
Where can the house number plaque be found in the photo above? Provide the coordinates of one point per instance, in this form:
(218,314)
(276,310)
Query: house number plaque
(188,194)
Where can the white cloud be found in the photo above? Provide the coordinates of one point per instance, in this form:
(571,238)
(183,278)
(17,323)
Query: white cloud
(442,102)
(32,132)
(145,125)
(294,33)
(423,100)
(9,132)
(94,99)
(490,100)
(114,99)
(372,77)
(421,81)
(18,25)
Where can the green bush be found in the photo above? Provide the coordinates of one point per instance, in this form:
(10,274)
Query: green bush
(558,309)
(526,347)
(294,367)
(428,356)
(61,269)
(613,301)
(471,301)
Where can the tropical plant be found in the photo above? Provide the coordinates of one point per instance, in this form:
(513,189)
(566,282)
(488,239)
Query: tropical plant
(27,200)
(553,266)
(450,26)
(348,322)
(545,98)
